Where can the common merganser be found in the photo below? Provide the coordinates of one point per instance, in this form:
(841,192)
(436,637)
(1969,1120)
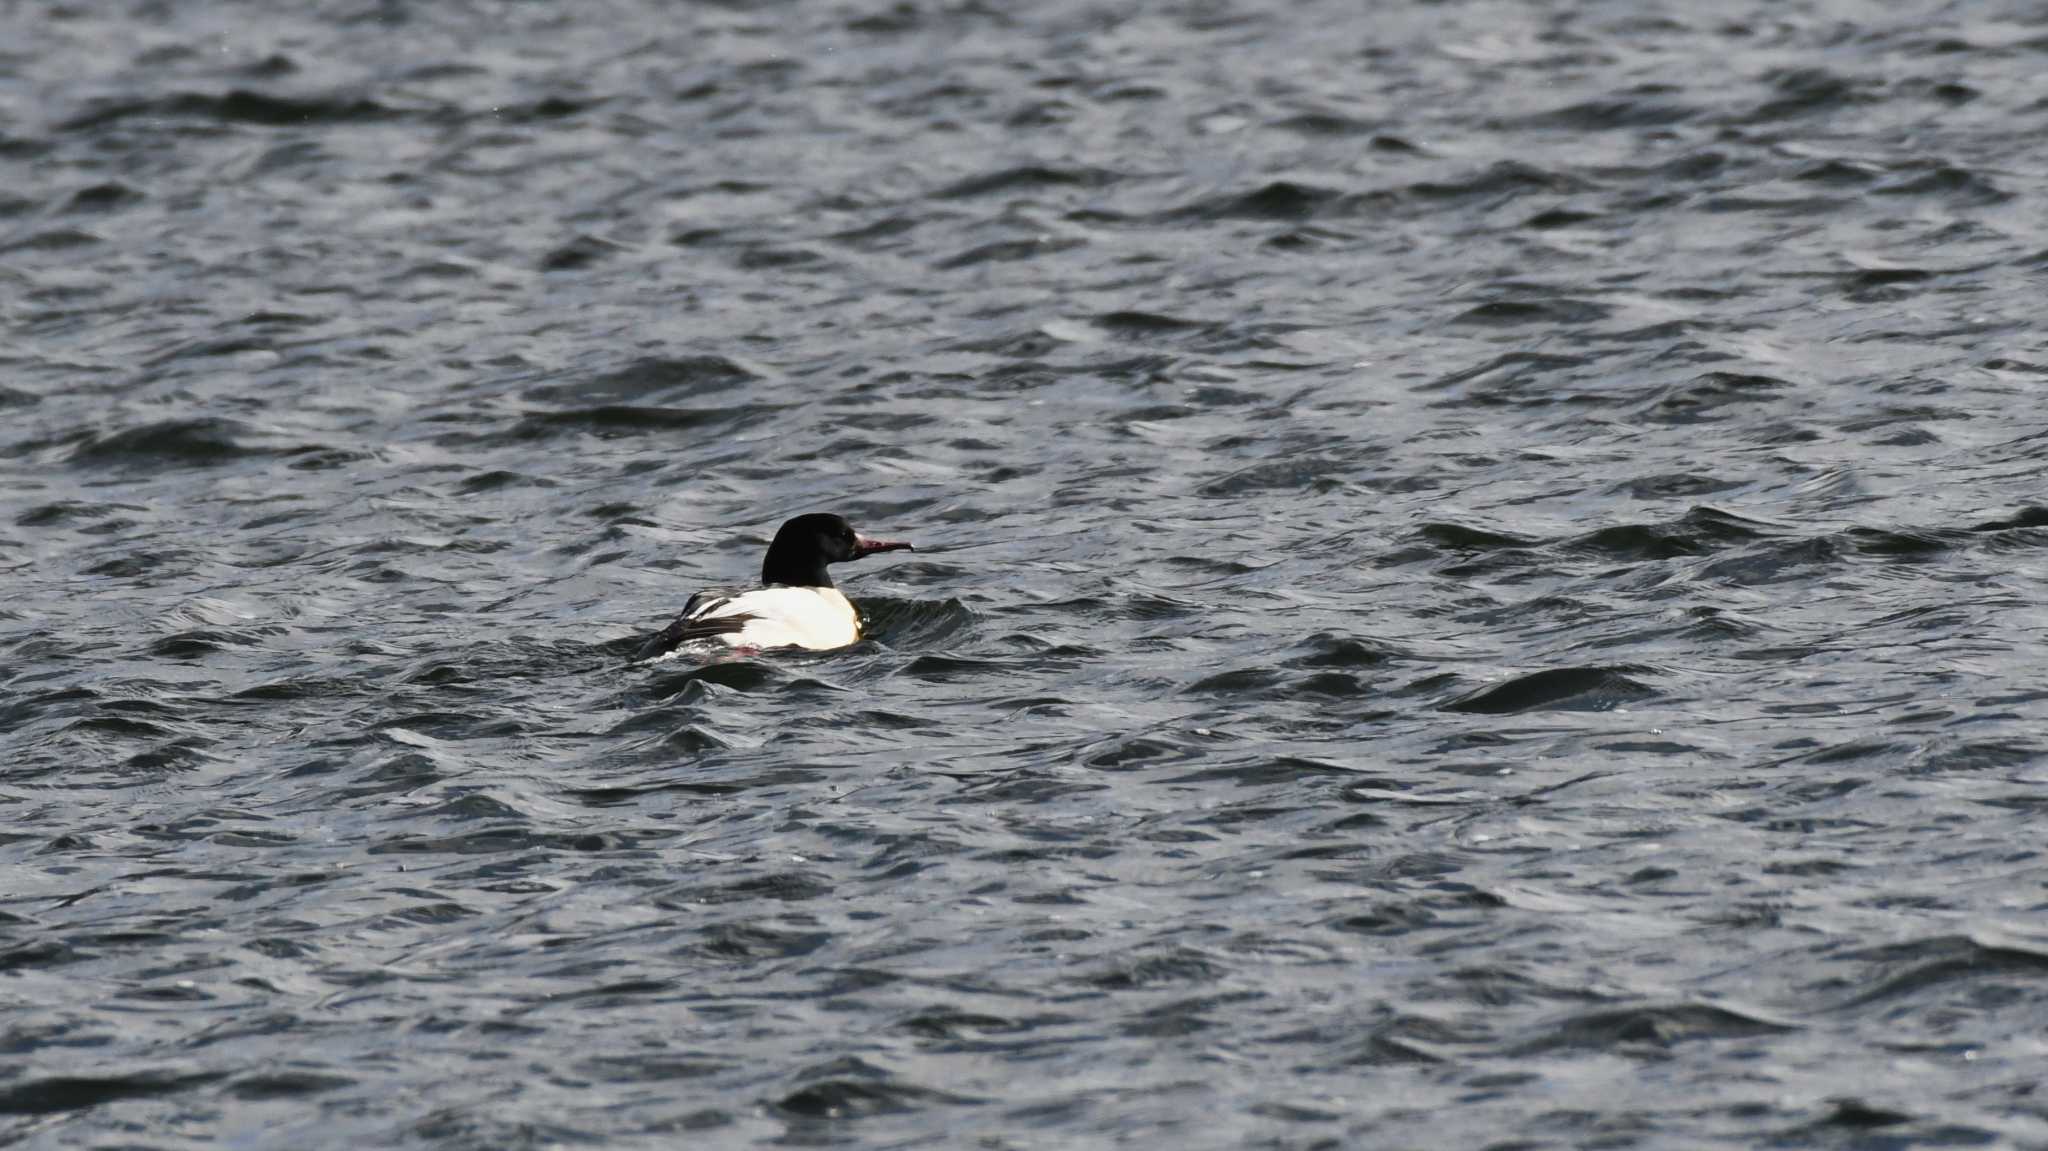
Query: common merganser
(796,604)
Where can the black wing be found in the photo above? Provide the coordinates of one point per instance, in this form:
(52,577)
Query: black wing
(686,629)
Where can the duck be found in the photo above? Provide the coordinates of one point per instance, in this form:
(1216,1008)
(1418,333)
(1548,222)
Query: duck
(796,604)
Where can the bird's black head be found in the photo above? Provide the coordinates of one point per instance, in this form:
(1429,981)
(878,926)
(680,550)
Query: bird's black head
(804,545)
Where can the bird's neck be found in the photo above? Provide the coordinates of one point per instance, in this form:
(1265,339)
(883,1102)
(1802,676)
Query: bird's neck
(782,568)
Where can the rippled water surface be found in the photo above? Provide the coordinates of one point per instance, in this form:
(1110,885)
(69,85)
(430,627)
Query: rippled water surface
(1480,575)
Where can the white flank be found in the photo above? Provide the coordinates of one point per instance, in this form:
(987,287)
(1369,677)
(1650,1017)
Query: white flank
(812,617)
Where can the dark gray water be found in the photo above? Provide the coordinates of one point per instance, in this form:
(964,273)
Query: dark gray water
(1481,585)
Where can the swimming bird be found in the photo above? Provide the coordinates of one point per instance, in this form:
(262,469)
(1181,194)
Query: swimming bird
(796,604)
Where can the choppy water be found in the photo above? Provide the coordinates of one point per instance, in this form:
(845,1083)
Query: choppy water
(1481,582)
